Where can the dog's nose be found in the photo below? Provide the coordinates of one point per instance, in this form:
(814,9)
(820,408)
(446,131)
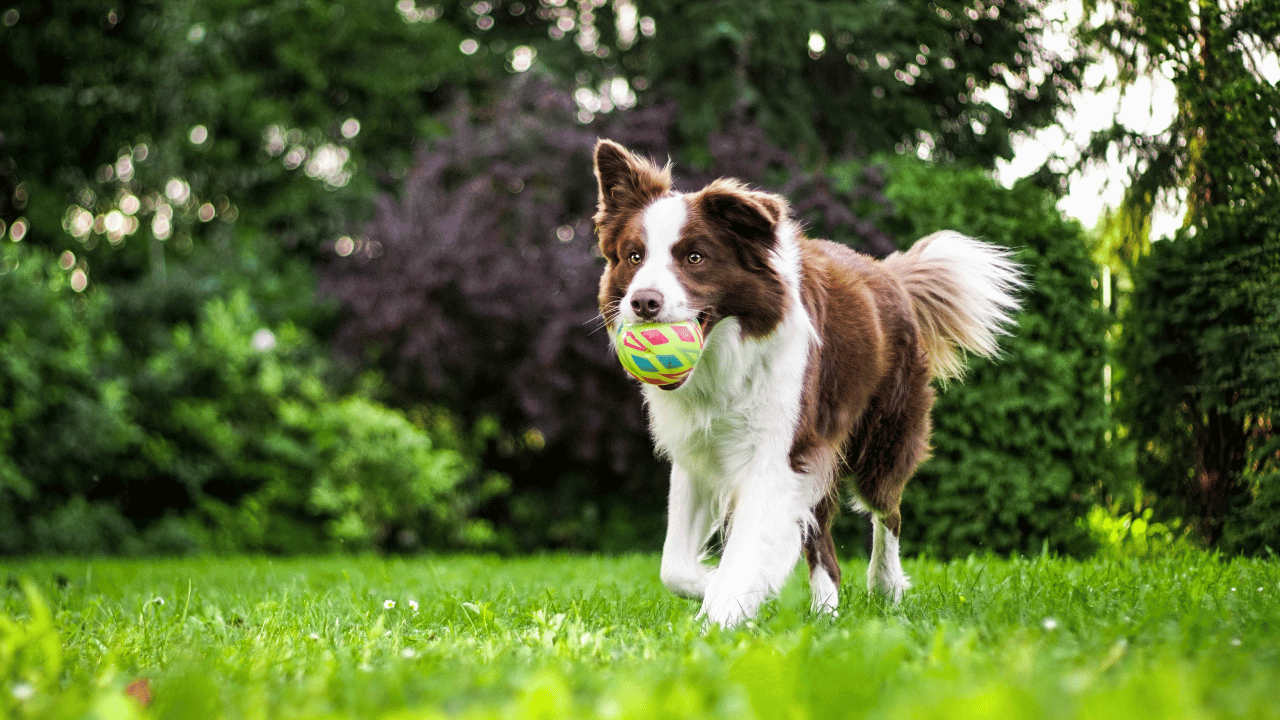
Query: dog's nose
(646,303)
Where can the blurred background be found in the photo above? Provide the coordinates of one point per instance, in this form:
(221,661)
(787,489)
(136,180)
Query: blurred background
(302,276)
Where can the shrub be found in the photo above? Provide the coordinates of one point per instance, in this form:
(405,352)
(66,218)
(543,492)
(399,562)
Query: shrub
(221,434)
(275,462)
(1201,353)
(1019,447)
(61,415)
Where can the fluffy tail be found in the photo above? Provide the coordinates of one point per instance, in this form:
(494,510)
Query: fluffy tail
(963,294)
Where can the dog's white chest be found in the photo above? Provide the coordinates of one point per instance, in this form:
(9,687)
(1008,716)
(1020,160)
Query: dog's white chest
(737,404)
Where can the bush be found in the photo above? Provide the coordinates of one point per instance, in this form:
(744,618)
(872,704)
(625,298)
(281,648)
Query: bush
(275,462)
(1019,447)
(60,414)
(222,435)
(1200,351)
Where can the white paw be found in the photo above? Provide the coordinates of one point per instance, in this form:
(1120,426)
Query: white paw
(688,580)
(824,593)
(892,586)
(727,606)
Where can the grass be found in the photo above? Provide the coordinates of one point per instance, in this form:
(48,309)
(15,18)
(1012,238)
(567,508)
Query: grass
(573,637)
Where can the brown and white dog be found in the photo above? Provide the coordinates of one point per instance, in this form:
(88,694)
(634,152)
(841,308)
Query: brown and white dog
(817,364)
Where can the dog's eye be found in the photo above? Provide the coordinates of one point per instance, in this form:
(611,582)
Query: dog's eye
(695,258)
(634,258)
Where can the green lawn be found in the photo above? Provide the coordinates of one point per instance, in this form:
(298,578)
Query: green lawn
(575,637)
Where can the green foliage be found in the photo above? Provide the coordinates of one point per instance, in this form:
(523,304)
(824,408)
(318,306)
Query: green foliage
(1187,636)
(1133,534)
(1201,352)
(256,439)
(224,435)
(830,79)
(1221,145)
(60,414)
(1020,445)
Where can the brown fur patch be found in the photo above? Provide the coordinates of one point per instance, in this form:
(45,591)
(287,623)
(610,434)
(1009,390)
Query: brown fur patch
(627,183)
(819,547)
(866,402)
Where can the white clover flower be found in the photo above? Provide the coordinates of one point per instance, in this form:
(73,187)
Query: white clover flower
(23,692)
(388,604)
(1050,623)
(314,636)
(158,600)
(413,604)
(407,653)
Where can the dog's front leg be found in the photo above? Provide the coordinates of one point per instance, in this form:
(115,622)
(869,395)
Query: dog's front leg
(763,545)
(689,527)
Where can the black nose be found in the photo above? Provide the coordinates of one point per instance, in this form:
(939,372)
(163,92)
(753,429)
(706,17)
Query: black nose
(646,303)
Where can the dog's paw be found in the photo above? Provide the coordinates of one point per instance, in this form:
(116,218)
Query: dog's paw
(726,615)
(729,604)
(824,594)
(687,581)
(892,588)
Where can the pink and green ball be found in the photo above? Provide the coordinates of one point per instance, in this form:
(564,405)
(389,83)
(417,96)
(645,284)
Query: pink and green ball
(660,353)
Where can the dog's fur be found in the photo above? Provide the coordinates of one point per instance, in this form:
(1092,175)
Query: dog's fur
(817,364)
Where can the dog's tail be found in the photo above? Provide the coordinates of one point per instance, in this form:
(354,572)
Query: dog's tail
(963,292)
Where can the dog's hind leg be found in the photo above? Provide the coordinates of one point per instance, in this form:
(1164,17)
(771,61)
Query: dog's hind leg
(899,442)
(884,572)
(820,552)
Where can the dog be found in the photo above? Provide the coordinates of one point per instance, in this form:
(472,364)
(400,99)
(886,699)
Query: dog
(817,365)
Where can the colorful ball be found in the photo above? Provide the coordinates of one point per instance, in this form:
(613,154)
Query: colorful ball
(660,353)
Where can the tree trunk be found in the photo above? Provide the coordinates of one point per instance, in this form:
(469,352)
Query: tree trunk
(1221,442)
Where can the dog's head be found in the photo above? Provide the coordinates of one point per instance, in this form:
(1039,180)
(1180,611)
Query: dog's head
(672,257)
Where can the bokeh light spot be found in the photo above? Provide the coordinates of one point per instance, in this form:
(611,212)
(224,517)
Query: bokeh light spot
(177,190)
(264,340)
(817,43)
(522,58)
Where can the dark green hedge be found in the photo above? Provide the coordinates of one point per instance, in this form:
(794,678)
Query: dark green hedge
(1020,446)
(1201,353)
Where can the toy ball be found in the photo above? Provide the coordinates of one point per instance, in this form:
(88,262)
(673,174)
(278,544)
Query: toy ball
(660,353)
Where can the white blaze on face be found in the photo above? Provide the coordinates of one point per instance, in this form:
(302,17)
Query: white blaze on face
(662,221)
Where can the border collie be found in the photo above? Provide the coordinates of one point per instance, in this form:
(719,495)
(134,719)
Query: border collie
(817,365)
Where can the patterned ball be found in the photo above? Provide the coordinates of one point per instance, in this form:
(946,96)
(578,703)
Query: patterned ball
(660,353)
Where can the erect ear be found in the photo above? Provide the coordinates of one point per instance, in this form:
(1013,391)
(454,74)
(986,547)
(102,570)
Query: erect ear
(751,217)
(626,182)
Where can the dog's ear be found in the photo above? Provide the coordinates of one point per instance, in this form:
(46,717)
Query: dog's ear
(750,217)
(627,182)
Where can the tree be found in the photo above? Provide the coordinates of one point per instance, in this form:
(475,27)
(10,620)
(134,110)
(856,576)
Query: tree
(1197,393)
(831,79)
